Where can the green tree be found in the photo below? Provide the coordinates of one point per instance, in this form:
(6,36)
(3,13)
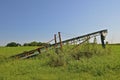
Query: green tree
(34,43)
(26,44)
(13,44)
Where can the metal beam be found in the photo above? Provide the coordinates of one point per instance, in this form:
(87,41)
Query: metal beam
(80,37)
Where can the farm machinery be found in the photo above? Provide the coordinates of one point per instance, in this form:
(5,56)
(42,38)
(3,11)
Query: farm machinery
(76,40)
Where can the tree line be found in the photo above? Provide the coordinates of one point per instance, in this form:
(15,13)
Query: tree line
(34,43)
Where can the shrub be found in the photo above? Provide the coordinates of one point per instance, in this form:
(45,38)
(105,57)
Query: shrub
(87,50)
(57,59)
(62,58)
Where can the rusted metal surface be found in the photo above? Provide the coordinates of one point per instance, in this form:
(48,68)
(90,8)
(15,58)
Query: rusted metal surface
(28,54)
(80,39)
(60,40)
(55,40)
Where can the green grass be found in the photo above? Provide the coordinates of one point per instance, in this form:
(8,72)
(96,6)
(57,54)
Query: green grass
(9,51)
(102,65)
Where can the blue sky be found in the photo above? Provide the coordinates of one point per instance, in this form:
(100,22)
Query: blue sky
(38,20)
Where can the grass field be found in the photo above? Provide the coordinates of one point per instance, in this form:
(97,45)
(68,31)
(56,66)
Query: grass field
(49,66)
